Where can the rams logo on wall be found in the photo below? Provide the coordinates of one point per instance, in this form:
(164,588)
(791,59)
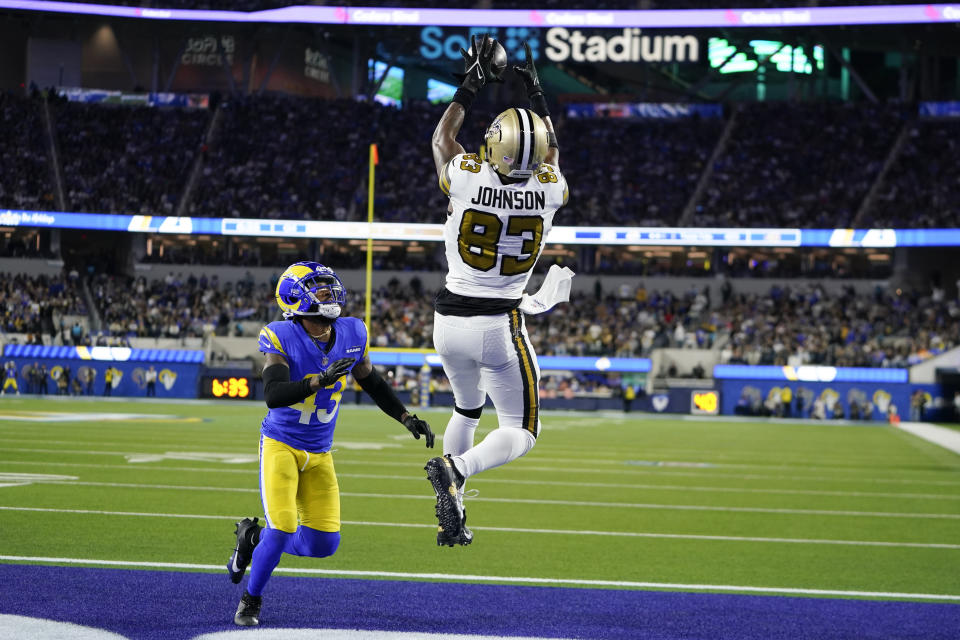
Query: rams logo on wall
(167,378)
(881,400)
(139,377)
(830,398)
(86,374)
(660,403)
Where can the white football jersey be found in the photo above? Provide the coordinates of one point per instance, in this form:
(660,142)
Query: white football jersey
(495,232)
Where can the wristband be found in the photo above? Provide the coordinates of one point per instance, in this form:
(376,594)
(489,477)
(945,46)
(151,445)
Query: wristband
(464,97)
(552,140)
(538,104)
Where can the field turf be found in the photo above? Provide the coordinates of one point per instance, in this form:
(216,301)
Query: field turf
(604,501)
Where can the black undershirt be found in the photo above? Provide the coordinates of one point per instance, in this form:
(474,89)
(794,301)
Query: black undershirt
(448,303)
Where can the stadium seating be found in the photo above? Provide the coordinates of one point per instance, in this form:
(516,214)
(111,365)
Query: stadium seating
(798,165)
(177,307)
(921,189)
(25,169)
(808,165)
(126,159)
(35,304)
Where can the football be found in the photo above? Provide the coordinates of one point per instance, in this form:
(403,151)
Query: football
(499,64)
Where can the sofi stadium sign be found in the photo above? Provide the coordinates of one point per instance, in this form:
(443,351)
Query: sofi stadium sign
(562,44)
(627,46)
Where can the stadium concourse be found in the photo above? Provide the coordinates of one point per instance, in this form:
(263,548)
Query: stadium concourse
(264,158)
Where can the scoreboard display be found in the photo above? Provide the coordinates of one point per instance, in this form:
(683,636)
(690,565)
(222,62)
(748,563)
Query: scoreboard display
(230,387)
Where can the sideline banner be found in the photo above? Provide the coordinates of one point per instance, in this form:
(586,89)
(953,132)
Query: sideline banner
(873,400)
(177,370)
(128,378)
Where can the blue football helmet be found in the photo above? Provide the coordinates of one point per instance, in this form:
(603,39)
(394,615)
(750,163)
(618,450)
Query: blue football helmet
(298,287)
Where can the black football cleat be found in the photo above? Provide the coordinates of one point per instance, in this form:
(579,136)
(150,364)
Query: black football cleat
(248,535)
(465,537)
(248,611)
(443,478)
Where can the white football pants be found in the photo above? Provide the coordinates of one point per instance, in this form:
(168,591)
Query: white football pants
(489,355)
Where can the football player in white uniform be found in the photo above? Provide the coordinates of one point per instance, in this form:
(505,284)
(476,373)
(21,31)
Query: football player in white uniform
(501,209)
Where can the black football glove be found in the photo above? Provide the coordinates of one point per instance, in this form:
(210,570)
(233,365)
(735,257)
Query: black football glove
(528,73)
(416,426)
(478,62)
(331,375)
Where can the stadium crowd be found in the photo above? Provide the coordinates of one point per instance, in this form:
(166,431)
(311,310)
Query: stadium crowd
(25,168)
(806,326)
(123,159)
(786,326)
(177,306)
(806,165)
(921,189)
(28,303)
(652,175)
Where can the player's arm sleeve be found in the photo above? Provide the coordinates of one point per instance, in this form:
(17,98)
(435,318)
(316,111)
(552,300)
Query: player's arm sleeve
(381,392)
(279,391)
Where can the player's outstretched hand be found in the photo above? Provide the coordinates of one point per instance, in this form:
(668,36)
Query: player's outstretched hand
(478,62)
(331,375)
(528,72)
(416,426)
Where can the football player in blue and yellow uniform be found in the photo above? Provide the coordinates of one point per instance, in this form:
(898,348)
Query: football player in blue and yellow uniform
(308,355)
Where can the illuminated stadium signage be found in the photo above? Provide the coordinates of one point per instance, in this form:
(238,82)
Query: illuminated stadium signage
(436,43)
(809,373)
(628,46)
(726,58)
(644,236)
(780,17)
(705,403)
(239,388)
(104,354)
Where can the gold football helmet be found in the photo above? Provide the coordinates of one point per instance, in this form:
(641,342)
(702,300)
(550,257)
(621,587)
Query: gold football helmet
(516,143)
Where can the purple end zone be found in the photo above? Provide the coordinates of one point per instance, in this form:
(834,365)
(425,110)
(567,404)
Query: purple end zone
(179,606)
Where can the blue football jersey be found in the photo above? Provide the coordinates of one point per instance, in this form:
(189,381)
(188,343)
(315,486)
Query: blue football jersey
(309,425)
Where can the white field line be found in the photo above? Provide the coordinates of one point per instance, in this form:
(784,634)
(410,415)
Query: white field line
(626,584)
(567,503)
(648,453)
(574,532)
(949,439)
(553,483)
(587,532)
(623,470)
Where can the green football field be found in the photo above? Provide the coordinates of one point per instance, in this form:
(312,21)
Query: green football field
(603,500)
